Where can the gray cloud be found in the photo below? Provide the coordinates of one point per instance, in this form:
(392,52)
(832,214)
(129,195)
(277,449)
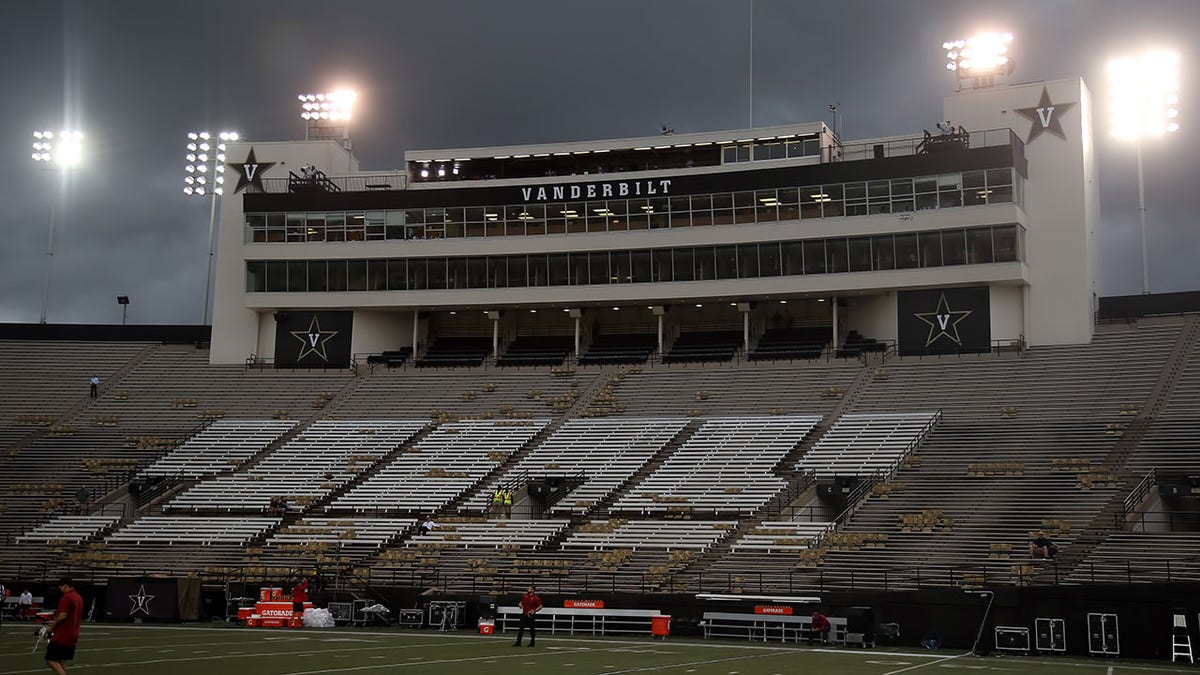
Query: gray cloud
(137,74)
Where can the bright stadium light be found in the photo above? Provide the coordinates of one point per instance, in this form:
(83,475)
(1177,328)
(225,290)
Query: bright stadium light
(64,150)
(979,59)
(327,115)
(197,183)
(1143,94)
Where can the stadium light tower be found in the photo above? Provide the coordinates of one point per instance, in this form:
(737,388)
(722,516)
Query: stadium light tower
(1143,101)
(64,151)
(979,59)
(327,116)
(206,177)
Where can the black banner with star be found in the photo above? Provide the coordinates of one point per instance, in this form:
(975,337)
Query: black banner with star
(145,599)
(312,339)
(944,321)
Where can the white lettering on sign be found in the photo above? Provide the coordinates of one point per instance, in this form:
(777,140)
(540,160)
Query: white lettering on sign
(1045,115)
(623,188)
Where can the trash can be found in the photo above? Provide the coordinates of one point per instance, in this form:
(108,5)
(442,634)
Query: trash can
(660,626)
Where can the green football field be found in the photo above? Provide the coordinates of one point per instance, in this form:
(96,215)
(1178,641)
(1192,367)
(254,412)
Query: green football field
(187,650)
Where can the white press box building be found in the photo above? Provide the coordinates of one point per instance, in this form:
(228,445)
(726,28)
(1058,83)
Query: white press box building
(959,240)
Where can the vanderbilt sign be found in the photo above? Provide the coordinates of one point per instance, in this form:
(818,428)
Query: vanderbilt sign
(607,190)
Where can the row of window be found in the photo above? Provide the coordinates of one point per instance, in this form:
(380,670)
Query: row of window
(977,245)
(900,195)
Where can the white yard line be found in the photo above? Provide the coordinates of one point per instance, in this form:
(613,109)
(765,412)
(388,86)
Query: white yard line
(926,665)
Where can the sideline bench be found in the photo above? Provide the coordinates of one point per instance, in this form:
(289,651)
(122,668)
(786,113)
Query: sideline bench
(768,627)
(581,620)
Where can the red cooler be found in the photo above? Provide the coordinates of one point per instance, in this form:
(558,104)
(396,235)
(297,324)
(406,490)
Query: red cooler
(660,626)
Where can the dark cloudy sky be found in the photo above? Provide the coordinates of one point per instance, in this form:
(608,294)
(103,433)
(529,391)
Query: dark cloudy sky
(135,75)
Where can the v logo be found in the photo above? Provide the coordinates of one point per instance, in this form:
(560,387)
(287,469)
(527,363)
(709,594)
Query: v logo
(252,169)
(943,320)
(313,337)
(1045,115)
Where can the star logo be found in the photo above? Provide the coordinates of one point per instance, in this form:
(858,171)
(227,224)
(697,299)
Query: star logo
(141,602)
(944,322)
(1046,116)
(250,172)
(312,341)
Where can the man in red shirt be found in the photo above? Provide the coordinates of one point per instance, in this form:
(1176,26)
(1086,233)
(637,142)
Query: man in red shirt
(820,626)
(300,596)
(64,629)
(530,604)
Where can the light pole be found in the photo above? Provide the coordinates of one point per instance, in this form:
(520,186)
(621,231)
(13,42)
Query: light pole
(205,156)
(979,59)
(65,151)
(1143,101)
(327,116)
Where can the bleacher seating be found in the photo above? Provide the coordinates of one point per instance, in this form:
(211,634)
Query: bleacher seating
(440,467)
(667,535)
(856,345)
(209,530)
(866,444)
(220,447)
(449,352)
(780,536)
(69,529)
(308,467)
(537,350)
(791,343)
(704,346)
(392,359)
(619,348)
(495,534)
(724,467)
(606,452)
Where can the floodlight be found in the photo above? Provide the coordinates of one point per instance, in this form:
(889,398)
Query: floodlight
(1144,95)
(980,57)
(188,191)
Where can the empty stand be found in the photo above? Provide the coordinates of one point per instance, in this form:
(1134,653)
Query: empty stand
(450,352)
(666,535)
(705,346)
(867,444)
(724,467)
(791,343)
(619,348)
(219,448)
(69,529)
(605,452)
(440,467)
(537,350)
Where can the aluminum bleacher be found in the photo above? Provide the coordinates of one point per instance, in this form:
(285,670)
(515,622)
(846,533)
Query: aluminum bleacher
(867,444)
(219,448)
(725,467)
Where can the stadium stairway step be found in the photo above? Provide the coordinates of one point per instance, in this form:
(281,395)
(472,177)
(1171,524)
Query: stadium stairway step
(601,510)
(1108,519)
(85,403)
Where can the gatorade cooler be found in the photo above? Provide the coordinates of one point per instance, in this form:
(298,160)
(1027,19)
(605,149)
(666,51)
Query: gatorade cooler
(660,626)
(264,594)
(487,628)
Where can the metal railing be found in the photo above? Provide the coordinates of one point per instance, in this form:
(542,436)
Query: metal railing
(373,182)
(915,145)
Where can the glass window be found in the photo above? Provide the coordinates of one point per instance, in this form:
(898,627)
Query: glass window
(497,271)
(416,274)
(949,190)
(906,251)
(811,199)
(337,275)
(684,264)
(723,208)
(397,270)
(435,272)
(701,210)
(356,275)
(395,224)
(744,207)
(833,204)
(456,273)
(789,204)
(335,227)
(376,225)
(538,270)
(275,227)
(814,256)
(517,272)
(926,192)
(454,225)
(639,266)
(997,177)
(979,245)
(477,272)
(747,261)
(256,276)
(768,259)
(680,212)
(793,257)
(837,255)
(295,227)
(768,206)
(860,254)
(705,263)
(559,271)
(1004,240)
(660,261)
(356,227)
(931,249)
(377,275)
(618,267)
(727,262)
(276,276)
(598,267)
(885,253)
(954,247)
(318,278)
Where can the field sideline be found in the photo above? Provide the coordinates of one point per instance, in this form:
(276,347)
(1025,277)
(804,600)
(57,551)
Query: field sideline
(200,650)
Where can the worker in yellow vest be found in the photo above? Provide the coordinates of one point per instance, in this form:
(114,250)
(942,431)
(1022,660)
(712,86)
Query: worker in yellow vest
(497,502)
(508,499)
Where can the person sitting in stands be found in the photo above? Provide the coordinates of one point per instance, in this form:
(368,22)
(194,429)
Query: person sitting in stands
(428,525)
(820,627)
(1042,547)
